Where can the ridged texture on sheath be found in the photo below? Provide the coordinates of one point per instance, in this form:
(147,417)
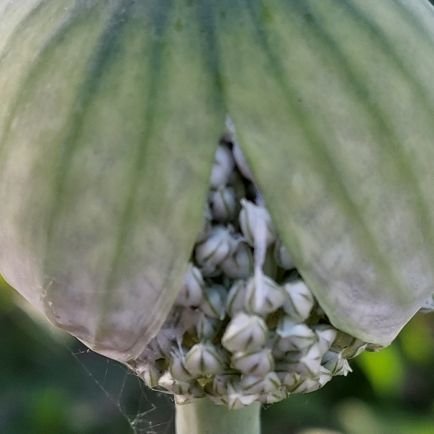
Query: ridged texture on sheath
(108,119)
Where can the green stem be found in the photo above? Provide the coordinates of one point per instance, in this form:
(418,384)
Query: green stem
(203,417)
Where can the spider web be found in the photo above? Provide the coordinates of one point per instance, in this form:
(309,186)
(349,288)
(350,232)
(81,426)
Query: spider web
(143,410)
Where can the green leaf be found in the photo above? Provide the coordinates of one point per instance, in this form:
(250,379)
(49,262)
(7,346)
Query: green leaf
(109,117)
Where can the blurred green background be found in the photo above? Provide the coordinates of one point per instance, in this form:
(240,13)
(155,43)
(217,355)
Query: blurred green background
(50,384)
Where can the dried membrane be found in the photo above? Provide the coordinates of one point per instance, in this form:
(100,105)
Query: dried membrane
(245,327)
(257,363)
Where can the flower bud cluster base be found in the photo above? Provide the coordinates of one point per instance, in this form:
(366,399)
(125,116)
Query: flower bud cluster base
(245,326)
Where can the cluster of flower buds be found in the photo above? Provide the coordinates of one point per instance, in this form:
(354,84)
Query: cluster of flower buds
(245,326)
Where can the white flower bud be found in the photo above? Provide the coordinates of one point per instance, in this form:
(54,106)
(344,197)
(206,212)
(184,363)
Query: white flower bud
(223,204)
(325,376)
(306,363)
(282,257)
(245,333)
(239,265)
(226,390)
(237,398)
(177,367)
(256,363)
(307,385)
(191,292)
(336,363)
(263,295)
(203,359)
(294,336)
(326,335)
(311,361)
(241,162)
(253,220)
(273,397)
(206,327)
(220,383)
(189,388)
(214,249)
(259,385)
(300,300)
(236,150)
(289,380)
(236,298)
(223,167)
(214,301)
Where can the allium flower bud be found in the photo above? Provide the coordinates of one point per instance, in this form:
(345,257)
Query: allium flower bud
(237,398)
(239,158)
(207,327)
(325,376)
(219,384)
(177,366)
(214,301)
(336,363)
(299,302)
(236,298)
(263,295)
(223,166)
(239,265)
(254,220)
(256,363)
(326,336)
(245,333)
(268,383)
(214,249)
(307,385)
(191,293)
(273,397)
(223,204)
(230,391)
(203,360)
(294,336)
(290,380)
(306,363)
(189,388)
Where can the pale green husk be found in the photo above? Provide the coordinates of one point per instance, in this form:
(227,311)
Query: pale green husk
(108,122)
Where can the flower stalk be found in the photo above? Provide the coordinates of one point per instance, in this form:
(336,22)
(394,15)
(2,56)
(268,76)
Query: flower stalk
(202,416)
